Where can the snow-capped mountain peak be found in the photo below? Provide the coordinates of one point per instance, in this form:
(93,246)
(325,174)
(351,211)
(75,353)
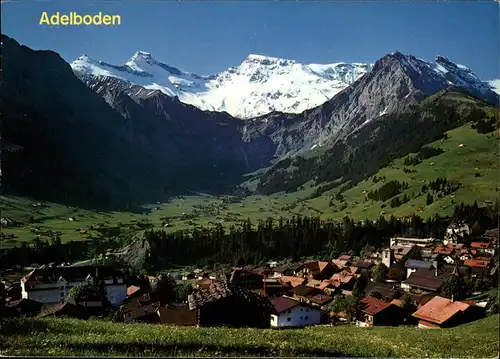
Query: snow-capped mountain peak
(259,85)
(495,85)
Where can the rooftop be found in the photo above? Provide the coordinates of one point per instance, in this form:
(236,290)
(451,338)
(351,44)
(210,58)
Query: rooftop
(46,275)
(282,304)
(414,263)
(374,305)
(477,263)
(438,310)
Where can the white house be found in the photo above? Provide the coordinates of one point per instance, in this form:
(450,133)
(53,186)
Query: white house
(292,313)
(52,285)
(454,232)
(422,242)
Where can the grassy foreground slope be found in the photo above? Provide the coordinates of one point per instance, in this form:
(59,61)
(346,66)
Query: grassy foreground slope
(74,337)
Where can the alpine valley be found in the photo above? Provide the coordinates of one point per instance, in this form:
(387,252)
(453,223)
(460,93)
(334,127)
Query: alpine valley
(150,143)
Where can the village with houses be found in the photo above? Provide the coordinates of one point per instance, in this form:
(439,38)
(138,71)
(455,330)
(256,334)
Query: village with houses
(421,282)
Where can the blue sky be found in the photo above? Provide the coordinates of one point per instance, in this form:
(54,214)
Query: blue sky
(206,37)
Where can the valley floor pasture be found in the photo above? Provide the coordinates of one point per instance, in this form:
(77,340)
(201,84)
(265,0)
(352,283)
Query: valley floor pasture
(468,159)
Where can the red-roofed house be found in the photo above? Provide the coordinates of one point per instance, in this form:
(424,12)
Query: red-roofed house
(483,248)
(478,267)
(442,312)
(379,312)
(292,313)
(293,281)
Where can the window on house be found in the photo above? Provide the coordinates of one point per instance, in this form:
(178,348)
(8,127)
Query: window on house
(307,317)
(289,319)
(301,309)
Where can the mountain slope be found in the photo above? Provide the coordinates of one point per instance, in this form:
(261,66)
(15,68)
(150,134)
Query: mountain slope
(259,85)
(187,140)
(376,143)
(472,168)
(64,142)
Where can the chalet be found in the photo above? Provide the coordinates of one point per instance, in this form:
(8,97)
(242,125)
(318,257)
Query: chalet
(293,269)
(441,312)
(478,267)
(364,264)
(292,281)
(326,285)
(378,312)
(260,270)
(52,285)
(412,265)
(483,248)
(144,313)
(455,269)
(388,291)
(23,307)
(176,315)
(225,304)
(320,299)
(340,264)
(291,313)
(430,280)
(246,279)
(320,270)
(305,292)
(352,270)
(313,283)
(343,280)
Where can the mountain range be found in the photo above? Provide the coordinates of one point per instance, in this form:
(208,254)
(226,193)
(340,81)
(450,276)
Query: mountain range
(259,85)
(143,130)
